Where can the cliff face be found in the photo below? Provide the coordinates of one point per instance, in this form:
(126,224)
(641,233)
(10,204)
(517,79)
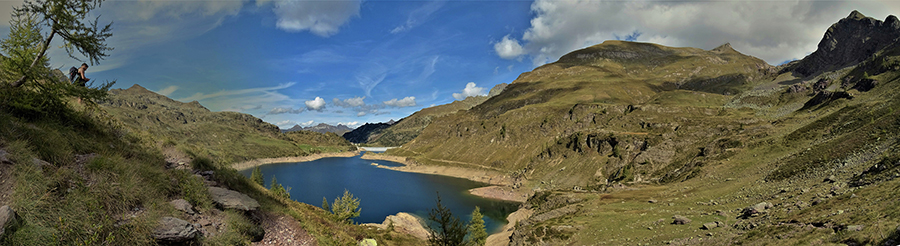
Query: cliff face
(850,41)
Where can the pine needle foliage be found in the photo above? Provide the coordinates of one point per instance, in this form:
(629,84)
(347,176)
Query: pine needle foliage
(346,207)
(445,229)
(257,176)
(477,233)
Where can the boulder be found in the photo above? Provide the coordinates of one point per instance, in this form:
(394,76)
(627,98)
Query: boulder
(174,230)
(232,199)
(3,158)
(183,205)
(710,225)
(855,227)
(756,209)
(368,242)
(9,221)
(680,220)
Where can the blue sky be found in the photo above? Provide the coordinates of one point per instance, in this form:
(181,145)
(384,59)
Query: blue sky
(351,62)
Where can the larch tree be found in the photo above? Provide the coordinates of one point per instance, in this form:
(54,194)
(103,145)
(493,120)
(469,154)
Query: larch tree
(67,19)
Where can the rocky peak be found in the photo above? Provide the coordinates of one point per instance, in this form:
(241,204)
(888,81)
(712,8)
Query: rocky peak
(724,48)
(850,41)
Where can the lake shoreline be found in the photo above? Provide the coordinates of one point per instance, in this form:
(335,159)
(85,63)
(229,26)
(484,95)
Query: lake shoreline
(259,162)
(500,185)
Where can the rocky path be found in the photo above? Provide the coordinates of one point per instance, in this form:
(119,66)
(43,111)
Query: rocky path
(283,230)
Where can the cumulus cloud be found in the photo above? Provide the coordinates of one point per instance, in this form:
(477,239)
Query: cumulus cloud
(349,102)
(772,30)
(322,18)
(317,104)
(308,123)
(469,91)
(280,110)
(508,48)
(405,102)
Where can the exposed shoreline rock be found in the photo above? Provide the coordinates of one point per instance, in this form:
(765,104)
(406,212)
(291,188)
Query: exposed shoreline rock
(259,162)
(404,223)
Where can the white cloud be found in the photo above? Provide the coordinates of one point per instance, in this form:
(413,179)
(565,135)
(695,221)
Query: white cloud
(308,123)
(470,90)
(405,102)
(360,114)
(285,124)
(350,124)
(280,110)
(168,90)
(772,30)
(508,48)
(317,104)
(349,102)
(322,18)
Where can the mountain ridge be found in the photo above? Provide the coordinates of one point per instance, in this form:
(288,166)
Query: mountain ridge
(622,129)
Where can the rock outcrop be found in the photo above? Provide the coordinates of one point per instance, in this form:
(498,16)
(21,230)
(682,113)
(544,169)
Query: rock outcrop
(232,199)
(404,223)
(173,230)
(850,41)
(9,221)
(183,205)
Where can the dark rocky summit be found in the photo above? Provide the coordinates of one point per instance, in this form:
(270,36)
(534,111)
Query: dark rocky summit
(850,41)
(361,134)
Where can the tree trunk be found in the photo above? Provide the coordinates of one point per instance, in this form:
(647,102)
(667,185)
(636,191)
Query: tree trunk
(21,81)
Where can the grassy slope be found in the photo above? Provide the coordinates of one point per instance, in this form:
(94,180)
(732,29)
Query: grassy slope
(616,92)
(116,196)
(410,127)
(655,119)
(226,137)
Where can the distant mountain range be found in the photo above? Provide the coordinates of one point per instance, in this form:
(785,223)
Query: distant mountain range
(340,129)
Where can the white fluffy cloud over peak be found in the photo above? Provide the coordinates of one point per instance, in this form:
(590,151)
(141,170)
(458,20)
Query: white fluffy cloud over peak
(470,90)
(317,104)
(508,48)
(772,30)
(323,18)
(405,102)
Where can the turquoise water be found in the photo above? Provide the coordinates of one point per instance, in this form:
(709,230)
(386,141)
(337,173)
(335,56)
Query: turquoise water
(383,192)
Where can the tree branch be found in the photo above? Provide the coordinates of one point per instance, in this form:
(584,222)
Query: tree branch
(46,45)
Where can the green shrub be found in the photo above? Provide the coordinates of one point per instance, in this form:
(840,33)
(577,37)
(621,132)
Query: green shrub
(278,190)
(193,190)
(257,176)
(346,207)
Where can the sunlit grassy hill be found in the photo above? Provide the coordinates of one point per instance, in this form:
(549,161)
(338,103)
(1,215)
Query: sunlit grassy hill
(411,126)
(615,111)
(223,136)
(616,138)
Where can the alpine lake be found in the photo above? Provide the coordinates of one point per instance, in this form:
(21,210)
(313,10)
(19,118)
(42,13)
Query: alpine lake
(382,191)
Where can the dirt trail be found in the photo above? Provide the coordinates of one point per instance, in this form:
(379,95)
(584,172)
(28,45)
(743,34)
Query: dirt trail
(284,230)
